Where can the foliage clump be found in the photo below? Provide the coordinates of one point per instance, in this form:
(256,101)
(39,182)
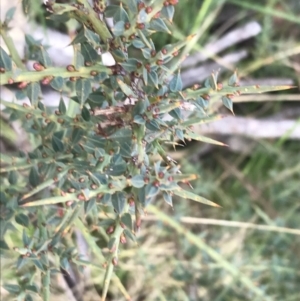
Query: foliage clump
(104,146)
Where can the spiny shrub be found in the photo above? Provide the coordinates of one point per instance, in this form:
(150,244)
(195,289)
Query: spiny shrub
(103,149)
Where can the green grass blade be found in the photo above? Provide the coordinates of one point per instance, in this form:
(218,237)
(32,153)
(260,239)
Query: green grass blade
(267,10)
(190,195)
(218,258)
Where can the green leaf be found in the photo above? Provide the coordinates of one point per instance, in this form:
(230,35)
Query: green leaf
(62,107)
(63,18)
(28,297)
(119,55)
(201,103)
(159,25)
(91,36)
(77,134)
(176,113)
(90,205)
(138,44)
(57,144)
(57,83)
(3,198)
(227,102)
(3,245)
(78,59)
(83,89)
(179,134)
(12,177)
(33,91)
(25,238)
(168,198)
(131,6)
(5,60)
(119,28)
(175,84)
(166,108)
(89,53)
(121,15)
(145,76)
(32,288)
(111,10)
(64,263)
(126,89)
(139,119)
(151,191)
(60,8)
(34,178)
(189,195)
(127,220)
(44,57)
(118,201)
(22,219)
(97,98)
(10,14)
(213,81)
(85,113)
(168,12)
(45,183)
(12,288)
(79,38)
(20,263)
(129,234)
(153,78)
(152,125)
(194,136)
(137,181)
(233,80)
(130,65)
(142,16)
(146,53)
(50,128)
(139,107)
(39,265)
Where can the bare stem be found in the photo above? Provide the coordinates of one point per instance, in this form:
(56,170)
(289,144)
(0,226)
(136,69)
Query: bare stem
(99,26)
(33,76)
(12,49)
(46,285)
(113,258)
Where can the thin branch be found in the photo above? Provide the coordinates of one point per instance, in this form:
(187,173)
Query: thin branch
(46,285)
(12,49)
(51,72)
(113,257)
(225,223)
(98,25)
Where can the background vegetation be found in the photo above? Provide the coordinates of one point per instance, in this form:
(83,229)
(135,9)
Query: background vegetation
(190,251)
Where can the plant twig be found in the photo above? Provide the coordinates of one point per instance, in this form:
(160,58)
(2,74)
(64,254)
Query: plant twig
(33,76)
(113,258)
(46,285)
(12,49)
(98,253)
(226,223)
(98,25)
